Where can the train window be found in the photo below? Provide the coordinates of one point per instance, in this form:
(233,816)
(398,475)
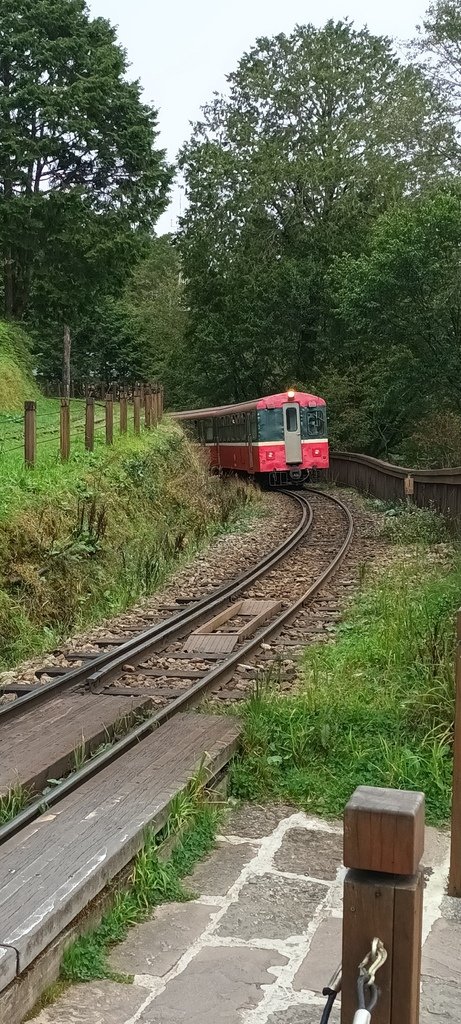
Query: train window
(209,430)
(314,422)
(270,425)
(292,418)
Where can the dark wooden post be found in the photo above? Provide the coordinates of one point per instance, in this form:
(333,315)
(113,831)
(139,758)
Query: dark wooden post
(123,414)
(30,434)
(154,399)
(66,361)
(89,424)
(384,836)
(161,402)
(137,413)
(109,420)
(147,409)
(454,878)
(64,429)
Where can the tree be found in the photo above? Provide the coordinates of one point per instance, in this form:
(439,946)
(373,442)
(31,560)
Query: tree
(438,48)
(401,303)
(139,333)
(76,145)
(321,131)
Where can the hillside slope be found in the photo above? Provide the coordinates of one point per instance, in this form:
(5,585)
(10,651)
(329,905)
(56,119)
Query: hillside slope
(16,381)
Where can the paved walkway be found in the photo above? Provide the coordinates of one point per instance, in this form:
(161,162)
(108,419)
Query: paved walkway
(262,937)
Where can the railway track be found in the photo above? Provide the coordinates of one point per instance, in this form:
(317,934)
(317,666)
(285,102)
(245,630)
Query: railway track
(173,665)
(94,819)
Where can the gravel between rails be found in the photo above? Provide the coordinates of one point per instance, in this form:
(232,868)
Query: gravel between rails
(225,557)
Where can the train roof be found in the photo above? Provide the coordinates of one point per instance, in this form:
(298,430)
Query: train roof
(269,402)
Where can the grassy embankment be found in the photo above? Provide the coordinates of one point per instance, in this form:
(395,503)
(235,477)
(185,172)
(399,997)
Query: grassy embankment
(375,706)
(83,540)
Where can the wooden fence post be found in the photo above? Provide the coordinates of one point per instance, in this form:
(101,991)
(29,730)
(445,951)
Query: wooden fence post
(89,424)
(109,419)
(384,835)
(154,400)
(137,413)
(454,878)
(30,434)
(161,402)
(64,429)
(147,409)
(123,414)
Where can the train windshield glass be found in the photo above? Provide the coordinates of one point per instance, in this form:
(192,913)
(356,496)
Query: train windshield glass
(313,422)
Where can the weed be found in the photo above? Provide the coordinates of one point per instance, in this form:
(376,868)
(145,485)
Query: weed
(375,707)
(408,524)
(13,802)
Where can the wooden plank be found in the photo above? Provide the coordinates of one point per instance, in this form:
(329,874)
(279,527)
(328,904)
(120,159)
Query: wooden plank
(369,900)
(408,923)
(213,624)
(171,673)
(214,643)
(186,656)
(8,964)
(384,830)
(454,879)
(26,759)
(51,870)
(253,624)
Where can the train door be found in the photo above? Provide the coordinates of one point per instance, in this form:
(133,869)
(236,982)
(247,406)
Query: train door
(292,433)
(249,440)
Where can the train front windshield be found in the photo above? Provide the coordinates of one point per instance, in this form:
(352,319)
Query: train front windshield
(313,422)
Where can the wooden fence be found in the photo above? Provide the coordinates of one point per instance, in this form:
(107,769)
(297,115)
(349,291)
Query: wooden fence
(428,488)
(143,408)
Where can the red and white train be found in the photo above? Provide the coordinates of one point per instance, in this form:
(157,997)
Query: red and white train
(277,440)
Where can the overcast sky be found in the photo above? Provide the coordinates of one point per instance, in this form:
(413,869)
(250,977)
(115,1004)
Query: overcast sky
(182,49)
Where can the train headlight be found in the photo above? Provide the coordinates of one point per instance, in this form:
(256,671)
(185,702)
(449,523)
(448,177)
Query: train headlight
(270,455)
(316,451)
(290,393)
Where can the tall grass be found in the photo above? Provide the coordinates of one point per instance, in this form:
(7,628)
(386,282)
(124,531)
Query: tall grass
(90,540)
(375,707)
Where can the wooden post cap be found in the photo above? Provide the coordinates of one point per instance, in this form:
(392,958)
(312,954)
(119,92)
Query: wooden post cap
(384,830)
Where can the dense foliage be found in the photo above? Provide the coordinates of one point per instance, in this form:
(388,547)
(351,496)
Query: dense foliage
(319,243)
(82,181)
(321,132)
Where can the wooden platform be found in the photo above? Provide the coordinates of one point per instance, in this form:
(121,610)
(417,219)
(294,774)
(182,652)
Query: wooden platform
(39,744)
(55,867)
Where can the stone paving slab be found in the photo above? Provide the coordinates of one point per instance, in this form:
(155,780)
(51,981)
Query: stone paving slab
(307,853)
(220,984)
(263,936)
(323,957)
(217,872)
(154,947)
(102,1002)
(274,907)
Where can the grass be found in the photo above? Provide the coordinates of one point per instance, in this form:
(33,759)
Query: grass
(374,707)
(84,541)
(152,882)
(16,382)
(20,486)
(13,802)
(407,524)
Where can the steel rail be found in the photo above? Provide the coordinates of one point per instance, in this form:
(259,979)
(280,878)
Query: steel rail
(218,675)
(104,667)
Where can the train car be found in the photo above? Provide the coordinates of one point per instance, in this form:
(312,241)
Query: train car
(278,440)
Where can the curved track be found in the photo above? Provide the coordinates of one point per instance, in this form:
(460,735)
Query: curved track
(101,673)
